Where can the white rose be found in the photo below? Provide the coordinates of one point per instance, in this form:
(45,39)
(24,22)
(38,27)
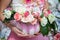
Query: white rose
(20,9)
(53,3)
(44,21)
(29,18)
(37,9)
(7,13)
(51,18)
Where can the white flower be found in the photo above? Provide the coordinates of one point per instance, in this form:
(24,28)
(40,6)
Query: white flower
(37,9)
(7,13)
(29,18)
(51,18)
(53,3)
(44,21)
(20,9)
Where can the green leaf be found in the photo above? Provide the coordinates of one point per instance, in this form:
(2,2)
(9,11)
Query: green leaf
(59,0)
(3,38)
(11,18)
(54,27)
(42,15)
(45,30)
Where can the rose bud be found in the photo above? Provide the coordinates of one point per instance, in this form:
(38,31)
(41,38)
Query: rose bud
(26,14)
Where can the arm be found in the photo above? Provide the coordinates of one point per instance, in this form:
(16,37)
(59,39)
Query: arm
(5,4)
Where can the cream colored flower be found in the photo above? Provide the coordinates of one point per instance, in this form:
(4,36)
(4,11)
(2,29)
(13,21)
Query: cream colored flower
(44,21)
(20,9)
(37,9)
(29,18)
(7,13)
(51,18)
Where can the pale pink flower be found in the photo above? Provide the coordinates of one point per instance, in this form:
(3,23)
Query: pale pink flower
(41,2)
(34,21)
(17,16)
(36,14)
(26,14)
(29,18)
(28,1)
(57,36)
(46,13)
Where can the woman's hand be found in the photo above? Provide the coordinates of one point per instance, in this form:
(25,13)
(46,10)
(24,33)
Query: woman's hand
(21,34)
(15,29)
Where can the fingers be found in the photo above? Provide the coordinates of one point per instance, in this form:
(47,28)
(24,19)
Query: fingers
(37,34)
(19,33)
(31,36)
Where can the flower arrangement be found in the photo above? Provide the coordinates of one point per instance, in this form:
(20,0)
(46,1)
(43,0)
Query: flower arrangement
(32,15)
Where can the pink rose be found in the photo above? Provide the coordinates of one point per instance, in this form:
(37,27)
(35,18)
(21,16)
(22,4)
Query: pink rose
(41,2)
(17,16)
(57,36)
(26,14)
(46,13)
(34,22)
(28,1)
(35,14)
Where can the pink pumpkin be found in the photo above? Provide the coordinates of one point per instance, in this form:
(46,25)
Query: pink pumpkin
(27,28)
